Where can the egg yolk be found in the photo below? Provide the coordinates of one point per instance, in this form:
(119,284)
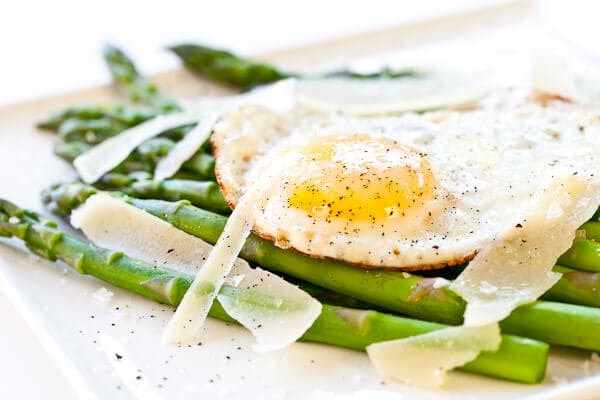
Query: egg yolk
(358,177)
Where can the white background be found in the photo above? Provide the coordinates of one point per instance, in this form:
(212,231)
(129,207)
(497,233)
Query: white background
(48,47)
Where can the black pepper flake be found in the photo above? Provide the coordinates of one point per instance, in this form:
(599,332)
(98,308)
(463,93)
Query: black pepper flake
(138,377)
(518,226)
(118,356)
(170,251)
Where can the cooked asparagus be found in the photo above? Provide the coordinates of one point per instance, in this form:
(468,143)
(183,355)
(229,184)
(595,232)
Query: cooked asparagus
(138,88)
(416,296)
(517,359)
(225,67)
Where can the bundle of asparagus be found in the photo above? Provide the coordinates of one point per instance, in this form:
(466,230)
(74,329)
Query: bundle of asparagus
(357,302)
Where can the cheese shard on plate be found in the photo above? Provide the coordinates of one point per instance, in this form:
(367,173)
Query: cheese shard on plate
(423,360)
(186,324)
(255,298)
(516,268)
(275,311)
(186,147)
(427,91)
(102,158)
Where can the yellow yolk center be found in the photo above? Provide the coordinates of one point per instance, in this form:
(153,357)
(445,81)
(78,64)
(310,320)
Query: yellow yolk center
(357,177)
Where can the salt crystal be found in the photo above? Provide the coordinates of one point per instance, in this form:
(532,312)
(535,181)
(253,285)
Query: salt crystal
(102,295)
(14,220)
(406,275)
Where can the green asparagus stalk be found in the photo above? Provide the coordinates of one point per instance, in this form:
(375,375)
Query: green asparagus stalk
(126,115)
(205,194)
(91,131)
(62,197)
(138,88)
(70,151)
(227,68)
(518,359)
(583,255)
(575,287)
(592,230)
(415,296)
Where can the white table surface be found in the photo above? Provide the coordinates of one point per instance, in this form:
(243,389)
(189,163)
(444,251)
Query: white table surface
(51,47)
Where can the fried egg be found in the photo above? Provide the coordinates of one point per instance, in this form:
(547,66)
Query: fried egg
(411,192)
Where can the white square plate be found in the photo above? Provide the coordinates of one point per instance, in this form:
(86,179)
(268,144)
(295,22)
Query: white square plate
(84,333)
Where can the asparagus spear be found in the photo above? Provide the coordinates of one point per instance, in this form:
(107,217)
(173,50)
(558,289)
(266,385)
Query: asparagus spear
(127,115)
(415,296)
(575,287)
(225,67)
(138,88)
(592,230)
(583,255)
(70,151)
(63,197)
(91,131)
(518,359)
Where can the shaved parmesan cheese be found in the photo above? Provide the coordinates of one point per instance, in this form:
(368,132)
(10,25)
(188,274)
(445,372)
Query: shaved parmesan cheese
(113,224)
(186,147)
(278,96)
(517,268)
(100,159)
(193,309)
(387,96)
(275,311)
(423,360)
